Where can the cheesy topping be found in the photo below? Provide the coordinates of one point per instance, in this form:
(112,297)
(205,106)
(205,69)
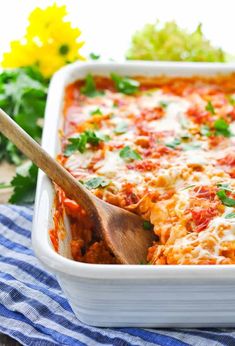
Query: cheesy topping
(166,152)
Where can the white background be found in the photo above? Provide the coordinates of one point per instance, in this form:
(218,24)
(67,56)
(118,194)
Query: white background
(107,25)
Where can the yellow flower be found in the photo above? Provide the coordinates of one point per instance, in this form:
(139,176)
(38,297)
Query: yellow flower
(50,42)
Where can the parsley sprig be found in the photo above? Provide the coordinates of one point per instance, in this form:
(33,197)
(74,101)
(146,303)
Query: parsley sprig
(210,108)
(219,128)
(125,85)
(96,182)
(79,143)
(89,89)
(227,201)
(129,154)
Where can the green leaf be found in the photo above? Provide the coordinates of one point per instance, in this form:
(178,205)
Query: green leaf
(23,95)
(79,143)
(24,186)
(230,216)
(210,108)
(97,111)
(147,225)
(121,127)
(174,143)
(125,85)
(222,128)
(229,202)
(164,104)
(94,56)
(129,154)
(96,182)
(89,89)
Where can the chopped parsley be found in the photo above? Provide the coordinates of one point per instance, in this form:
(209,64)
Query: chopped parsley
(174,143)
(96,182)
(222,128)
(228,202)
(125,85)
(89,89)
(164,104)
(210,108)
(147,225)
(185,146)
(97,111)
(121,128)
(129,154)
(230,216)
(79,143)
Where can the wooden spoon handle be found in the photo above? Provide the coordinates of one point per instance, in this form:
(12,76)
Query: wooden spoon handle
(43,160)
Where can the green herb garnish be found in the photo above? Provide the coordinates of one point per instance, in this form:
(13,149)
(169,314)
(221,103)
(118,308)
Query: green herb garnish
(125,85)
(147,225)
(121,127)
(129,154)
(164,104)
(222,128)
(230,216)
(174,143)
(97,111)
(210,108)
(79,143)
(89,89)
(96,182)
(229,202)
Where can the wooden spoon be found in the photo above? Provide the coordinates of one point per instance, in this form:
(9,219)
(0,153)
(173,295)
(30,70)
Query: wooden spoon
(123,231)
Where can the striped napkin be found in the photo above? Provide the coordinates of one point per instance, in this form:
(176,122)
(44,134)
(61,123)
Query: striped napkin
(34,311)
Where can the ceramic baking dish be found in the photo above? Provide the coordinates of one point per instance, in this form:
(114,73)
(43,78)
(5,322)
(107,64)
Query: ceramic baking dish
(129,295)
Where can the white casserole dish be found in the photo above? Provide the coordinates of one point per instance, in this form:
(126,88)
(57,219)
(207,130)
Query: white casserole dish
(129,295)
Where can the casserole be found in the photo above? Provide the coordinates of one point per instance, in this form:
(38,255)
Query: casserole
(116,295)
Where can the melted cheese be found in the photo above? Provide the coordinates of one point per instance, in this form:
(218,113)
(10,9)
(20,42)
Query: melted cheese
(170,154)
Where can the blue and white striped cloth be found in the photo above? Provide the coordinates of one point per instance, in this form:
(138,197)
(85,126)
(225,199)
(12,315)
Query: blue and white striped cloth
(34,311)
